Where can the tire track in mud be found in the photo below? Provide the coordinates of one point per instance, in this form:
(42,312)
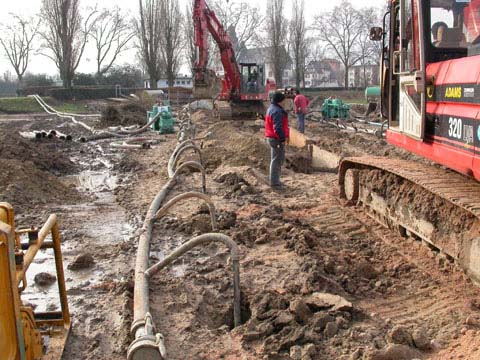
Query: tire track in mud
(435,295)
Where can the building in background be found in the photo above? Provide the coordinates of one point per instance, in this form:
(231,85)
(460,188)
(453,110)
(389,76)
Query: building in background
(183,81)
(362,77)
(326,73)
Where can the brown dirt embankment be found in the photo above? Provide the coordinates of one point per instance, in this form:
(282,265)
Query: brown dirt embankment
(30,169)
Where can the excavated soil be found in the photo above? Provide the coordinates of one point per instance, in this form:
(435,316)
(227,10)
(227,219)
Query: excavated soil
(30,171)
(294,246)
(319,280)
(347,143)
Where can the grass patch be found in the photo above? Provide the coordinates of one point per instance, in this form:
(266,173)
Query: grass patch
(362,101)
(68,107)
(19,105)
(28,105)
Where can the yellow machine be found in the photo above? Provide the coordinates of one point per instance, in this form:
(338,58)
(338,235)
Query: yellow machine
(25,334)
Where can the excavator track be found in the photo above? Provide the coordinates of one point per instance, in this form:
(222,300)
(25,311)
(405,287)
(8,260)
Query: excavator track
(245,110)
(437,206)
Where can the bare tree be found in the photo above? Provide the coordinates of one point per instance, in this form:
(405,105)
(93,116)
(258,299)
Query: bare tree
(241,20)
(368,50)
(171,39)
(189,32)
(276,41)
(340,30)
(17,40)
(112,34)
(148,29)
(298,40)
(65,35)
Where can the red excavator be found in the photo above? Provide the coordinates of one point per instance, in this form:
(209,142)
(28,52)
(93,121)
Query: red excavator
(431,101)
(245,87)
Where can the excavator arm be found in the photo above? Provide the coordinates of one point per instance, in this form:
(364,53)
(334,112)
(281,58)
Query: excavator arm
(205,20)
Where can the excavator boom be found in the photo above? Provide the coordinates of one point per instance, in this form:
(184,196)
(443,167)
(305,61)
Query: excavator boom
(206,20)
(244,90)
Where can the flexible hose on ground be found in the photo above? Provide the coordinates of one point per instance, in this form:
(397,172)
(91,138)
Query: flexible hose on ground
(147,344)
(211,207)
(176,157)
(200,240)
(49,110)
(98,134)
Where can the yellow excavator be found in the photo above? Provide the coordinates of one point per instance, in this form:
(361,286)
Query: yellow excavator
(25,334)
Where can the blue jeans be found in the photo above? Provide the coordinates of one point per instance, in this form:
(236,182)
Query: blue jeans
(301,122)
(277,150)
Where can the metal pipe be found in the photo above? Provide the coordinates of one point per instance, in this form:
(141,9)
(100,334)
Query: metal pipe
(34,248)
(126,146)
(184,129)
(200,240)
(60,274)
(172,164)
(192,194)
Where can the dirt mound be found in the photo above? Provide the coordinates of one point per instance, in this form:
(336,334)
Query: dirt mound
(131,113)
(23,185)
(358,109)
(345,143)
(234,147)
(45,156)
(201,116)
(283,323)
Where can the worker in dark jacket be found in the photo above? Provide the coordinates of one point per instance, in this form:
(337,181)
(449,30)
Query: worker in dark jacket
(277,134)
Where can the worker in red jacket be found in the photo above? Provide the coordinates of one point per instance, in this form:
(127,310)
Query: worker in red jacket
(277,134)
(301,103)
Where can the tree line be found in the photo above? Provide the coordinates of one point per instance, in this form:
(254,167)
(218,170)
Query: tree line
(163,36)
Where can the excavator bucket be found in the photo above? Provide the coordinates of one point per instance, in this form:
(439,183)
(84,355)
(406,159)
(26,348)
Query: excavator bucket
(209,88)
(25,334)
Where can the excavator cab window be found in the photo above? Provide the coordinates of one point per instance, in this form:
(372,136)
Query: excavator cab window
(455,29)
(252,78)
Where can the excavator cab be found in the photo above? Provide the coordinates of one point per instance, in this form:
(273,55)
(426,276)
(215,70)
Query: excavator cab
(253,78)
(430,62)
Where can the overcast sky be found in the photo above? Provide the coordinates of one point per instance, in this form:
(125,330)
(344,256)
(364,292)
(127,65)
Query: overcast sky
(41,64)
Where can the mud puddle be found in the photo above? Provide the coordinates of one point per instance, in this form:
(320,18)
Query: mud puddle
(99,218)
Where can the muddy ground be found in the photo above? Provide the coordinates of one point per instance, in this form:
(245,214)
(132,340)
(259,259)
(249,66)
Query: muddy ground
(319,280)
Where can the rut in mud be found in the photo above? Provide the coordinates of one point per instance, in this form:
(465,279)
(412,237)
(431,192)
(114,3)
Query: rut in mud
(319,280)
